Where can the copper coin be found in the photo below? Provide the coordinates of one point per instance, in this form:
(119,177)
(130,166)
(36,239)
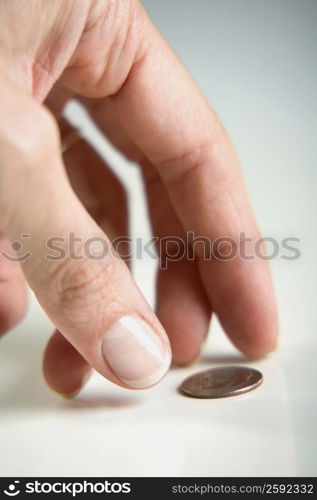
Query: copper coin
(222,382)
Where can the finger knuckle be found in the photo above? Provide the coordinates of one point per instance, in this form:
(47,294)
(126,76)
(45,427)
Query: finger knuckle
(26,142)
(181,168)
(79,286)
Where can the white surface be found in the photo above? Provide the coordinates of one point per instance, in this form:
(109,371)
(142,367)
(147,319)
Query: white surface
(256,63)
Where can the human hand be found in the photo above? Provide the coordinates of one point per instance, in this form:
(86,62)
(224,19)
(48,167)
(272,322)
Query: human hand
(142,98)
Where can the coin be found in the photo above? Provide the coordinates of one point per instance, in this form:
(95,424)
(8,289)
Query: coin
(222,382)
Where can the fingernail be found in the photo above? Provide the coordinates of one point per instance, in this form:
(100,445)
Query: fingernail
(137,355)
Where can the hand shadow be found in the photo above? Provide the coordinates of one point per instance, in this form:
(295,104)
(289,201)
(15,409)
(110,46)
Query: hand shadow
(226,358)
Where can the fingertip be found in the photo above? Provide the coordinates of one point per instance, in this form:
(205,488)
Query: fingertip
(181,362)
(260,349)
(259,339)
(65,371)
(74,393)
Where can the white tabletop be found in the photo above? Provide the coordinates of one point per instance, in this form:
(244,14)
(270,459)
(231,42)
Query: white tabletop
(256,63)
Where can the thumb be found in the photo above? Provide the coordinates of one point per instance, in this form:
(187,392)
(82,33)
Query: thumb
(82,284)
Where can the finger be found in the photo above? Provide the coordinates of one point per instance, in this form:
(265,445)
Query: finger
(103,196)
(93,301)
(105,200)
(65,370)
(182,303)
(13,297)
(183,310)
(165,115)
